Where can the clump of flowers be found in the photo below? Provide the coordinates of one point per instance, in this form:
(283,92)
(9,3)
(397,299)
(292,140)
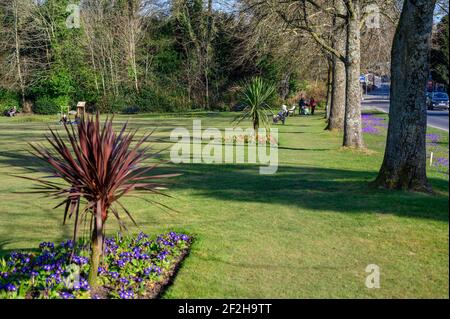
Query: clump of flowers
(372,124)
(130,267)
(440,160)
(92,168)
(252,139)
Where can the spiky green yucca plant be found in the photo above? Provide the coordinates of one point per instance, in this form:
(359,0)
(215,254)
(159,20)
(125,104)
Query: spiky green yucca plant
(255,96)
(99,166)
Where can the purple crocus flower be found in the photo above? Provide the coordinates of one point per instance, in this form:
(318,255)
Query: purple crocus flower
(10,287)
(66,295)
(126,294)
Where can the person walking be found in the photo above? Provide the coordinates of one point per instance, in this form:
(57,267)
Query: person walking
(312,105)
(302,106)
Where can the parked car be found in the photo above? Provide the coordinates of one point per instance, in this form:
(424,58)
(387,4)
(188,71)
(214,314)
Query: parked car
(437,100)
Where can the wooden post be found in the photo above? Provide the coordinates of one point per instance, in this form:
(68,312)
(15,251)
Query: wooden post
(81,109)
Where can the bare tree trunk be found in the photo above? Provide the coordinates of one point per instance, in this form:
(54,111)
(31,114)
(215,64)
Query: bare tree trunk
(131,32)
(404,165)
(329,86)
(352,125)
(91,50)
(17,50)
(207,51)
(337,110)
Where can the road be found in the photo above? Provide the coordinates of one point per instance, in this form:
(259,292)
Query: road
(379,100)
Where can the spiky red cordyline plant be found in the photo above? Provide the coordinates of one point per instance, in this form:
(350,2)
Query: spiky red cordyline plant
(99,166)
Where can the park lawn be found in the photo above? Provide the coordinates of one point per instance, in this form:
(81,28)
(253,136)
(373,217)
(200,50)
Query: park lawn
(308,231)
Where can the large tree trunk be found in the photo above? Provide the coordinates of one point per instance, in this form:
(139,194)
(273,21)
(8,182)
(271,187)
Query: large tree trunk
(337,110)
(404,165)
(352,125)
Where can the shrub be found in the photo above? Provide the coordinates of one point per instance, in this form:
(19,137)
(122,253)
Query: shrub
(322,104)
(157,100)
(63,102)
(256,95)
(131,110)
(131,266)
(100,166)
(111,104)
(46,106)
(8,100)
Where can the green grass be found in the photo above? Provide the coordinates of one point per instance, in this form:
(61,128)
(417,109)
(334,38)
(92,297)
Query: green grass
(308,231)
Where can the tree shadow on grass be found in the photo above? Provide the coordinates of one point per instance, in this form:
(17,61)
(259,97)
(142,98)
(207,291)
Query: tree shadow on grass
(320,189)
(22,160)
(7,233)
(312,188)
(304,149)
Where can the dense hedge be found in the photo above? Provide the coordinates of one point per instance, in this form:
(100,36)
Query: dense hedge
(46,105)
(8,100)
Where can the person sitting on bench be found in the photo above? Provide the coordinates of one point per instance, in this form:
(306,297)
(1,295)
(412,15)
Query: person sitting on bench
(12,112)
(63,119)
(281,116)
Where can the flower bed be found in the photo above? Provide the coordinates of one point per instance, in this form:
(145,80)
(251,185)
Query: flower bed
(133,267)
(440,159)
(251,139)
(372,124)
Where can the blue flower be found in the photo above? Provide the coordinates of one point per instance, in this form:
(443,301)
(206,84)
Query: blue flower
(154,269)
(122,262)
(141,236)
(67,244)
(25,270)
(10,287)
(168,243)
(102,270)
(47,267)
(80,260)
(66,295)
(114,274)
(144,256)
(82,285)
(162,255)
(126,294)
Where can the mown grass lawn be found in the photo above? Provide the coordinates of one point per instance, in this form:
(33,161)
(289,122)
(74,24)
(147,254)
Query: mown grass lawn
(308,231)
